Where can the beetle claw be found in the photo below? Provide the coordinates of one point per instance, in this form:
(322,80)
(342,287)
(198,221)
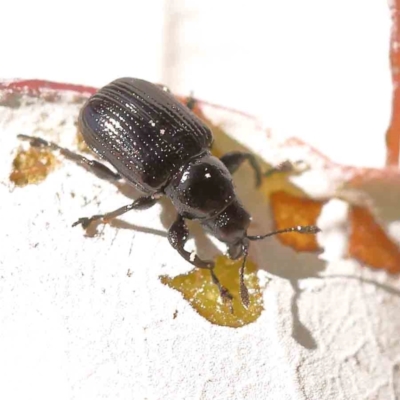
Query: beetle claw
(85,222)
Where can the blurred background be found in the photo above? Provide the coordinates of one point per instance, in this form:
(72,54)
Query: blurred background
(313,69)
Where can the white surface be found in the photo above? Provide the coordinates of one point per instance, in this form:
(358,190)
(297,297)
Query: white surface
(75,326)
(311,68)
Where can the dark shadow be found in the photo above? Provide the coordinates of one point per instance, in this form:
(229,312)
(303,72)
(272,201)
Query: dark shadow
(120,224)
(128,190)
(300,332)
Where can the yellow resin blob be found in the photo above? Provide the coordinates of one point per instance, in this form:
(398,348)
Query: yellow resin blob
(32,166)
(203,295)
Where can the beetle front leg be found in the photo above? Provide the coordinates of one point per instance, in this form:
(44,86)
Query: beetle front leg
(235,159)
(285,166)
(142,203)
(97,168)
(178,235)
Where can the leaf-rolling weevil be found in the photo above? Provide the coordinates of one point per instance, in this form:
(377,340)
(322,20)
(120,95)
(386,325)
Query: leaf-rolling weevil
(162,148)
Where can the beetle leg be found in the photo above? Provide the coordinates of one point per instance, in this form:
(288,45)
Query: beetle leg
(285,166)
(178,235)
(234,160)
(142,203)
(191,102)
(97,168)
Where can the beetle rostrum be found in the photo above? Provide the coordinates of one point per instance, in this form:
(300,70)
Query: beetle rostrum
(159,146)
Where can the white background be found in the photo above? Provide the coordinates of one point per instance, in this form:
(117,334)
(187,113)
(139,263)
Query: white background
(314,69)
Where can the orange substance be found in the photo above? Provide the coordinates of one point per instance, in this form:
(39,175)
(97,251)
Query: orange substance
(369,243)
(393,133)
(32,166)
(289,210)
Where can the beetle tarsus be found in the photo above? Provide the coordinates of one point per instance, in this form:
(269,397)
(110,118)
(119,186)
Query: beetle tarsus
(85,222)
(284,167)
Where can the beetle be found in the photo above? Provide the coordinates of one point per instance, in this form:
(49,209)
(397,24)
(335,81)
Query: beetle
(158,145)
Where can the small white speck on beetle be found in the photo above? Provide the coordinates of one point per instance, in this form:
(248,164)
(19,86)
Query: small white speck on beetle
(152,123)
(162,131)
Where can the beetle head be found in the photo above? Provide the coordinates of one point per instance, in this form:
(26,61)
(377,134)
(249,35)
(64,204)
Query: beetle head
(202,189)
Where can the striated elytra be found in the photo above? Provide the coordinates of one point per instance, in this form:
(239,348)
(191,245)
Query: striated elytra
(161,147)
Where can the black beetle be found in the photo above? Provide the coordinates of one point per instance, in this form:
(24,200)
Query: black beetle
(162,148)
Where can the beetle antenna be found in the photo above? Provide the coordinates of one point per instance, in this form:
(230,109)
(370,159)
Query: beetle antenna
(304,229)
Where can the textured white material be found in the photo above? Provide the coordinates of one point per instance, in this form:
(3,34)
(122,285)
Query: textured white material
(73,324)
